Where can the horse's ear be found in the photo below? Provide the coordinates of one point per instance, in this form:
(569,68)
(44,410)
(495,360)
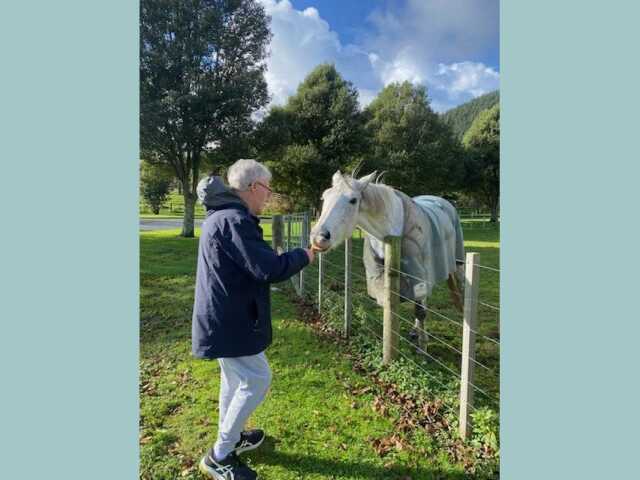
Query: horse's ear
(366,180)
(379,177)
(337,178)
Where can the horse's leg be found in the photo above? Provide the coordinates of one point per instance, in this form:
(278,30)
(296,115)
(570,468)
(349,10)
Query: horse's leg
(460,278)
(419,325)
(414,334)
(454,291)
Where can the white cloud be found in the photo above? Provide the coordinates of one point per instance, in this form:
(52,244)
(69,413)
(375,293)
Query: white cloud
(435,42)
(466,78)
(436,31)
(366,96)
(301,40)
(431,42)
(399,69)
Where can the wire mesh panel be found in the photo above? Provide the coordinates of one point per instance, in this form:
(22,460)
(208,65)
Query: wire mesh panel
(293,237)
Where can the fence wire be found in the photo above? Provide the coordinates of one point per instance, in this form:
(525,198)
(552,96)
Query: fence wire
(418,348)
(293,232)
(407,321)
(493,307)
(452,408)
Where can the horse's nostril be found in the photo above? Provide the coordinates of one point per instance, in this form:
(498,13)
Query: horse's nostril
(325,234)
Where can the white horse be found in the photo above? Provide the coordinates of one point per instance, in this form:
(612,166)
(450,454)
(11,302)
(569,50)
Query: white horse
(432,244)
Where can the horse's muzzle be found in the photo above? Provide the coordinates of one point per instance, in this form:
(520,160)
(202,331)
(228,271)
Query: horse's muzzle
(321,240)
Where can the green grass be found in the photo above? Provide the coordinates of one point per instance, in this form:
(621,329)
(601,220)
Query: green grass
(319,413)
(172,207)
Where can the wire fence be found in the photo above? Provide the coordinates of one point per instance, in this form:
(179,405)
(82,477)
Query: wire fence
(446,352)
(430,335)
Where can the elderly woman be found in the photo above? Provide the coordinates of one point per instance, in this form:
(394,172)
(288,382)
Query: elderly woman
(232,309)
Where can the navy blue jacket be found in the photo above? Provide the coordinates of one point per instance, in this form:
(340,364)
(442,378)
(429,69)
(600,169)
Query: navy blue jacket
(232,306)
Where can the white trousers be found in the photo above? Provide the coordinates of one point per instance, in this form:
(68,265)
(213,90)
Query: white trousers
(244,382)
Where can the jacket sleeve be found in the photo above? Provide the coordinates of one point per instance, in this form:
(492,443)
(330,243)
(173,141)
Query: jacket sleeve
(254,256)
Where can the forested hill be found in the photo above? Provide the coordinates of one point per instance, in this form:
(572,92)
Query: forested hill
(461,117)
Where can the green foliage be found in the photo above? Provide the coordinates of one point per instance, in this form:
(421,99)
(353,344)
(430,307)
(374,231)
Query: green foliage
(326,111)
(484,133)
(317,132)
(201,78)
(155,184)
(321,130)
(411,143)
(461,117)
(298,169)
(485,428)
(482,142)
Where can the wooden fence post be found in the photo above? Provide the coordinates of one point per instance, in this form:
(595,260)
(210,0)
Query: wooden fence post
(472,282)
(320,279)
(347,287)
(288,232)
(304,239)
(390,339)
(277,232)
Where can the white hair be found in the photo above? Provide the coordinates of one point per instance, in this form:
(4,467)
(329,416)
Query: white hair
(245,172)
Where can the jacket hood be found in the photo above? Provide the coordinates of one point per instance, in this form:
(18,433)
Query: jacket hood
(213,193)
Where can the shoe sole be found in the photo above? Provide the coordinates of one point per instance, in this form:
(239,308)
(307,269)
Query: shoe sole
(208,472)
(251,447)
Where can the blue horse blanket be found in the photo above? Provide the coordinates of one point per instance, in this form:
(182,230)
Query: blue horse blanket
(432,242)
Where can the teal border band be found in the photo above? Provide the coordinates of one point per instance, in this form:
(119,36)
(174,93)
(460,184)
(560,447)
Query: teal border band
(69,255)
(69,246)
(569,83)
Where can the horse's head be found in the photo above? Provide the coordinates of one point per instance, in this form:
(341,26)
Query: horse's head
(340,208)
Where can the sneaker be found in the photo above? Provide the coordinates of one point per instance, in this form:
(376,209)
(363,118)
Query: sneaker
(249,440)
(231,468)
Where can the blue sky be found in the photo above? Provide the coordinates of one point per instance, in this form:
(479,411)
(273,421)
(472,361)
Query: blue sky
(450,46)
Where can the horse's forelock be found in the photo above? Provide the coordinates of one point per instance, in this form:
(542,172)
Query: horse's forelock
(351,184)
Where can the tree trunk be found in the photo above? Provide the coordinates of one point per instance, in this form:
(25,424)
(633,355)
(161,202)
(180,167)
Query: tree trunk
(494,212)
(189,207)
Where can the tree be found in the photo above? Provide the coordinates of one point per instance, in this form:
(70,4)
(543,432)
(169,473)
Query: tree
(155,184)
(318,131)
(411,143)
(201,78)
(461,117)
(482,142)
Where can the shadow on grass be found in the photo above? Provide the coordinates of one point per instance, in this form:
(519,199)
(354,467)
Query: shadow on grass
(310,464)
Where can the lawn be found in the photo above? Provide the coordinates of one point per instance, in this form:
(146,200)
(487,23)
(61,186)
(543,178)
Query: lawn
(173,207)
(325,418)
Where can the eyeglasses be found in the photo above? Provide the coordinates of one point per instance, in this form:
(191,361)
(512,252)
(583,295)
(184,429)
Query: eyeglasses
(263,185)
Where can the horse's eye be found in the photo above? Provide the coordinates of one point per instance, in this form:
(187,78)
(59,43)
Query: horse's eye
(353,201)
